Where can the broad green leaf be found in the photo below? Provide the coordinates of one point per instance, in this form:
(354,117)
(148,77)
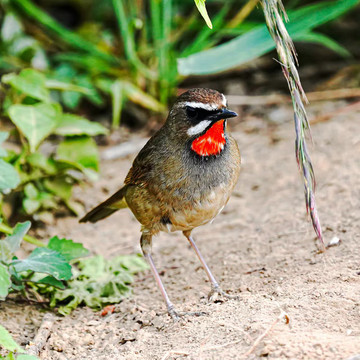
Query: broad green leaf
(26,357)
(3,136)
(31,206)
(71,99)
(31,191)
(4,281)
(92,94)
(200,4)
(31,82)
(14,240)
(50,280)
(69,249)
(46,261)
(60,187)
(7,342)
(11,27)
(81,151)
(38,160)
(36,122)
(70,125)
(9,178)
(133,263)
(257,42)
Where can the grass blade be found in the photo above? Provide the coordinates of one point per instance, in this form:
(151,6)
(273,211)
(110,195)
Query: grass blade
(258,41)
(324,40)
(67,36)
(274,13)
(200,4)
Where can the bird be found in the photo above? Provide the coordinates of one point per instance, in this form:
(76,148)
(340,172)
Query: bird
(182,178)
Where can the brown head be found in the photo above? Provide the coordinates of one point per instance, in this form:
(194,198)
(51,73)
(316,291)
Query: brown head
(198,117)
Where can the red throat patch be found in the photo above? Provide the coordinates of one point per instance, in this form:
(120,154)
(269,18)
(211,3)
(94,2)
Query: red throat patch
(212,142)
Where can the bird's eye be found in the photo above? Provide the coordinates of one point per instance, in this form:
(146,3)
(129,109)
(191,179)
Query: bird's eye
(191,112)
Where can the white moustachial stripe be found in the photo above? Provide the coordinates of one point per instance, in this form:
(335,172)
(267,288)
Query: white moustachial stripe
(199,128)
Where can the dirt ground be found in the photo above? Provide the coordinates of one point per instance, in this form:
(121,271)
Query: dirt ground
(261,247)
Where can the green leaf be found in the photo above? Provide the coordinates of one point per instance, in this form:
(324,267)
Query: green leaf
(137,96)
(70,125)
(31,206)
(50,280)
(99,282)
(30,82)
(3,136)
(69,249)
(11,27)
(258,41)
(31,191)
(200,4)
(26,357)
(13,241)
(4,281)
(38,160)
(117,96)
(46,261)
(61,85)
(36,122)
(313,37)
(82,152)
(7,342)
(60,187)
(9,178)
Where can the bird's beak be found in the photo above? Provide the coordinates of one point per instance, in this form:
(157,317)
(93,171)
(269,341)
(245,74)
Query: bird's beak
(223,114)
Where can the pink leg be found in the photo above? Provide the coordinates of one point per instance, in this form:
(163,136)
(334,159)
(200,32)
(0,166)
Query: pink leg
(145,243)
(215,287)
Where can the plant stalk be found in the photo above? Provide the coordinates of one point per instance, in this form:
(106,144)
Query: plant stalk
(9,231)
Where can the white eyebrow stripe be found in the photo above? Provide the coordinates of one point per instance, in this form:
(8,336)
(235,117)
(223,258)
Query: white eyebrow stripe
(200,105)
(199,128)
(224,99)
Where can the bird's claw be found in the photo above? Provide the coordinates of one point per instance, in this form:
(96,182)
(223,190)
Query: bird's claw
(216,292)
(178,315)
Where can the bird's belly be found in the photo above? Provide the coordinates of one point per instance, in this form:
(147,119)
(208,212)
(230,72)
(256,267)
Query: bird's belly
(202,209)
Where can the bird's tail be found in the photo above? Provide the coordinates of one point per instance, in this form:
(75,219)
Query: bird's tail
(106,208)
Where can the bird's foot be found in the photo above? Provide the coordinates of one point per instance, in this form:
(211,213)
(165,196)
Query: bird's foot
(178,315)
(217,293)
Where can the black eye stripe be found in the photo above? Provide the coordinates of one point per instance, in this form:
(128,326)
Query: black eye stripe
(196,115)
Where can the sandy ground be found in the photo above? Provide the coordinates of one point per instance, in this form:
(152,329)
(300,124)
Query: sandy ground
(261,247)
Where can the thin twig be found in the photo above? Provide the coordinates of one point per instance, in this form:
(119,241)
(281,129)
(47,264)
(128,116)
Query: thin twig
(343,110)
(283,315)
(278,98)
(174,352)
(42,336)
(216,347)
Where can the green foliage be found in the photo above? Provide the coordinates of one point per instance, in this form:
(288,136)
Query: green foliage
(9,344)
(60,273)
(200,4)
(98,282)
(9,178)
(122,52)
(45,179)
(258,41)
(45,261)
